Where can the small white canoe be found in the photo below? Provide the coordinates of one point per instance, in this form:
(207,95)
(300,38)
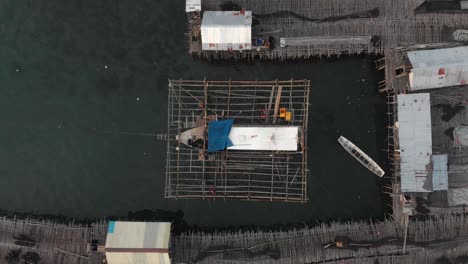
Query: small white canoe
(360,156)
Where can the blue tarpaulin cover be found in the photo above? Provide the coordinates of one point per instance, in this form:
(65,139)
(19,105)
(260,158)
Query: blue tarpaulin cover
(218,135)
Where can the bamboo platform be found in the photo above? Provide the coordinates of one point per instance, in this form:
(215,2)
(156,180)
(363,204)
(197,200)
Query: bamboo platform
(231,174)
(396,26)
(55,243)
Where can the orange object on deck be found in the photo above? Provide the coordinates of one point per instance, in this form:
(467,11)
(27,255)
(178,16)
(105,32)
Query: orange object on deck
(288,116)
(283,112)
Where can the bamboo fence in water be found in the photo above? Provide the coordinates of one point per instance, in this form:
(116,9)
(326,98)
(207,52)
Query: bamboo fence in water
(427,240)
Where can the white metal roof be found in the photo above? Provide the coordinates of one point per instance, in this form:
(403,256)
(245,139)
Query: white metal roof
(226,30)
(138,242)
(415,141)
(438,68)
(264,138)
(439,172)
(192,5)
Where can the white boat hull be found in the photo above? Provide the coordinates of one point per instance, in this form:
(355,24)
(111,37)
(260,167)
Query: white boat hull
(360,156)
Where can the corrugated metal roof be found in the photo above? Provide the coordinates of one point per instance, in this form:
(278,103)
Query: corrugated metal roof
(226,30)
(415,141)
(438,68)
(439,172)
(192,5)
(137,242)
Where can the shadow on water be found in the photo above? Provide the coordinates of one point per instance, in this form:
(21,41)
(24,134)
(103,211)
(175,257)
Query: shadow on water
(75,69)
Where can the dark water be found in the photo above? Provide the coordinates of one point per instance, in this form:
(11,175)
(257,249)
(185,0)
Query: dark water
(73,74)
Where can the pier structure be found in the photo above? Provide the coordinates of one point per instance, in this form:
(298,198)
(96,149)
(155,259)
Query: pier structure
(267,175)
(303,29)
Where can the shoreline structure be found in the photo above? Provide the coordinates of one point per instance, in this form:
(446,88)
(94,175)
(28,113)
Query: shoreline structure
(362,242)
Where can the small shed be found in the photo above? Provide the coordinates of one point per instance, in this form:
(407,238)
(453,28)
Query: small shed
(192,6)
(138,242)
(415,142)
(226,30)
(438,68)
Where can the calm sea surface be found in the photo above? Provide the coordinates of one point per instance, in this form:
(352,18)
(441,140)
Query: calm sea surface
(76,74)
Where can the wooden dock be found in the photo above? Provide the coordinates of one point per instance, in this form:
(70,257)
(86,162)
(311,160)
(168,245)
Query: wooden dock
(395,26)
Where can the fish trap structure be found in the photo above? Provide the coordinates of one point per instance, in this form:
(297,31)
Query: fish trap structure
(267,156)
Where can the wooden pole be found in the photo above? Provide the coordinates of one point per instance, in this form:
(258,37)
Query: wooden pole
(269,104)
(277,103)
(406,232)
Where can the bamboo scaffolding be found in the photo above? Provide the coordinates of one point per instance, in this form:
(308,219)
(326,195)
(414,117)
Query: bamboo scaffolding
(231,174)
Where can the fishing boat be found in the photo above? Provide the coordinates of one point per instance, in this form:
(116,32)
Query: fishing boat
(360,156)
